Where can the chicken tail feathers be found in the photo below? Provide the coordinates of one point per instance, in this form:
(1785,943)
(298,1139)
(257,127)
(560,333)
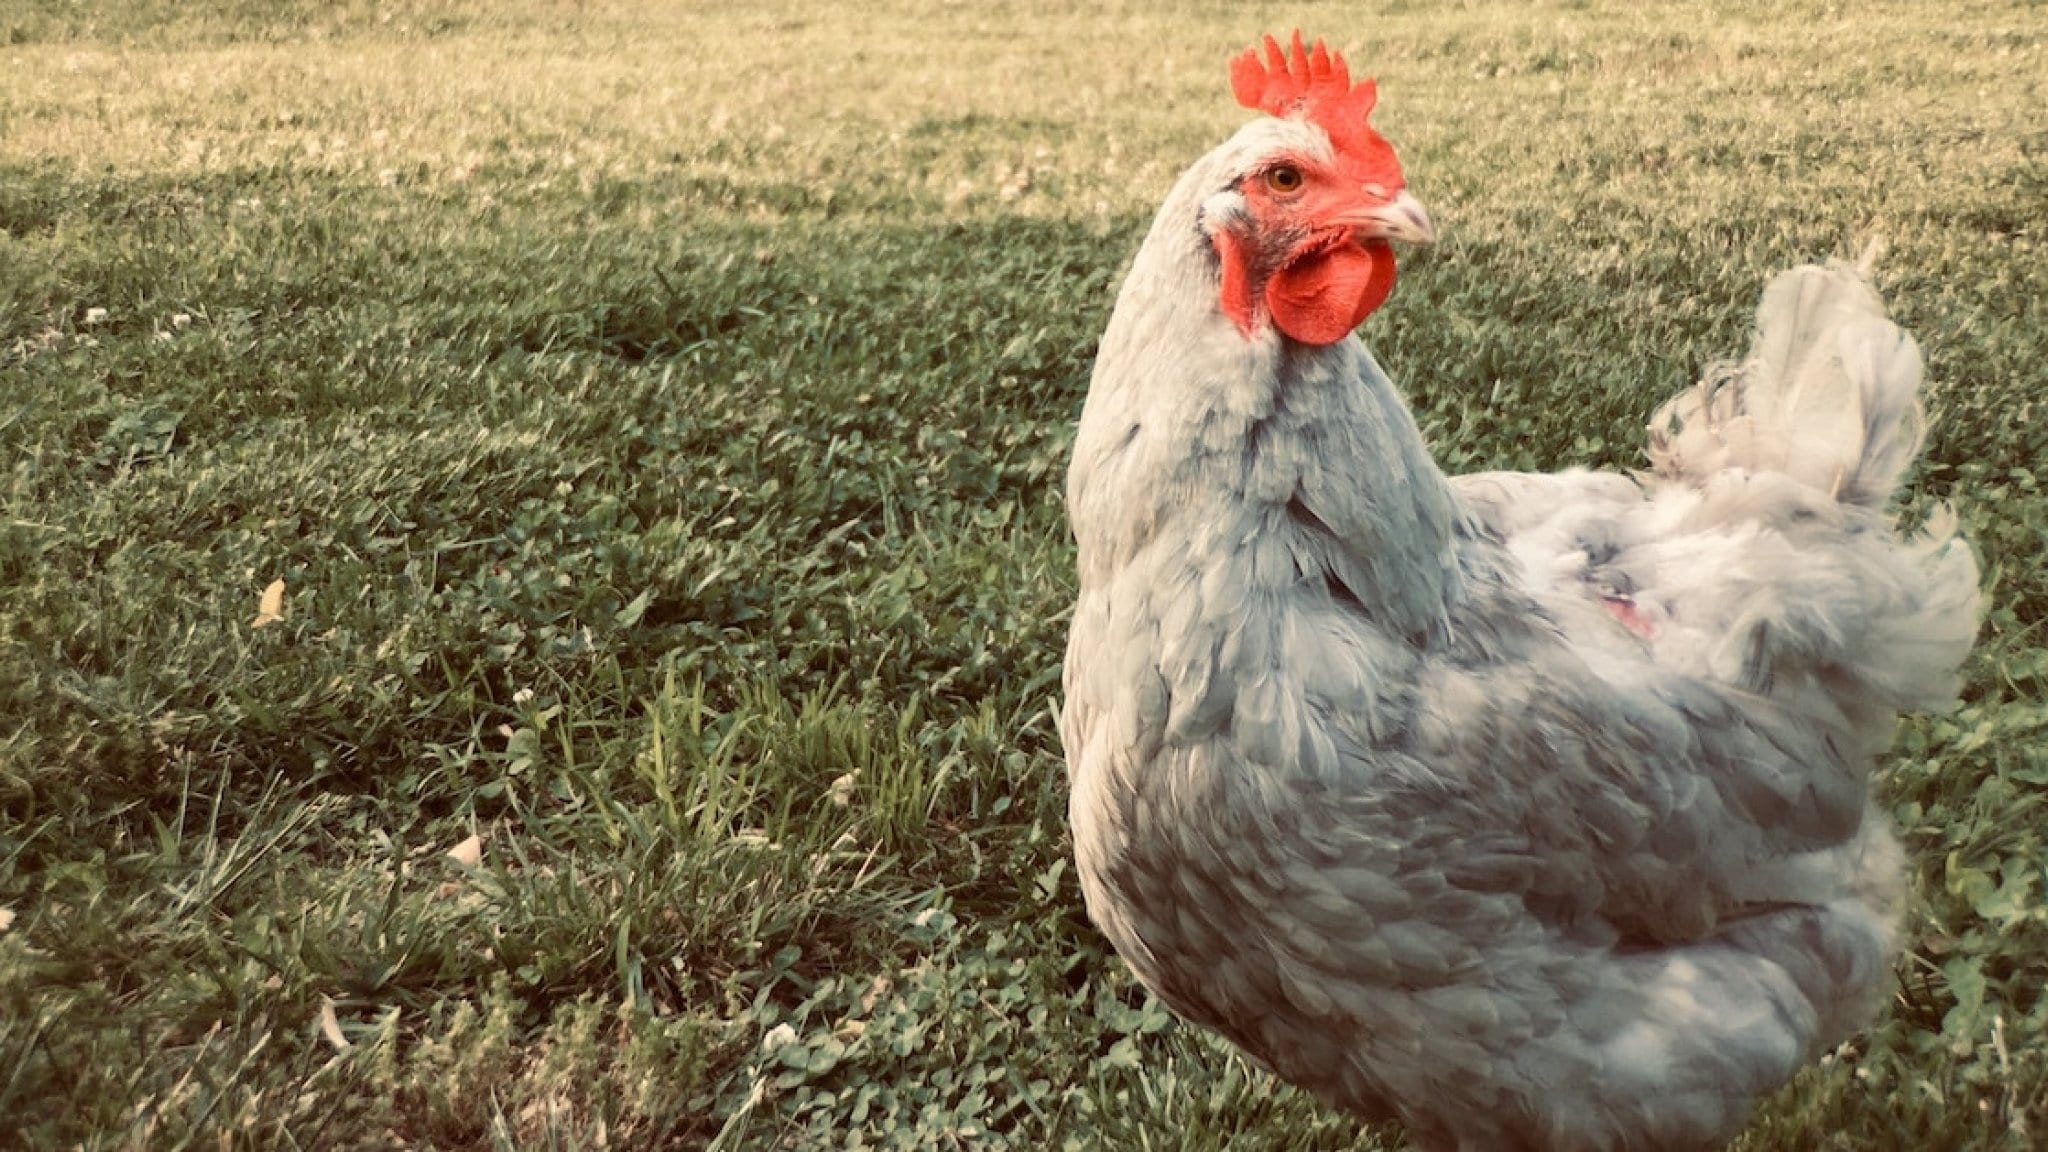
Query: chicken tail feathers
(1829,394)
(1814,432)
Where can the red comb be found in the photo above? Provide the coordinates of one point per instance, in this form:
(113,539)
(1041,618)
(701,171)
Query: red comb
(1313,82)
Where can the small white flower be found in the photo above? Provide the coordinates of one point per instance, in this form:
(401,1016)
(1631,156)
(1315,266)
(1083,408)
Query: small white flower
(522,696)
(181,319)
(779,1037)
(95,315)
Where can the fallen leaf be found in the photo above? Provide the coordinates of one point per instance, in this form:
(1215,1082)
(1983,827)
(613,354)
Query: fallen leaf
(469,853)
(330,1025)
(877,988)
(270,609)
(841,791)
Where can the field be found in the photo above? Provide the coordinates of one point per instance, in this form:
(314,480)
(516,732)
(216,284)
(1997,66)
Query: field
(656,416)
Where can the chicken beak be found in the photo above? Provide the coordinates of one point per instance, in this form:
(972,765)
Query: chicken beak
(1400,218)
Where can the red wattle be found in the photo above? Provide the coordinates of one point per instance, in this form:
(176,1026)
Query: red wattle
(1235,291)
(1320,298)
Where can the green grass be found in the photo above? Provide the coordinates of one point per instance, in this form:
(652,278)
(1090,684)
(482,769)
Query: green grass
(658,421)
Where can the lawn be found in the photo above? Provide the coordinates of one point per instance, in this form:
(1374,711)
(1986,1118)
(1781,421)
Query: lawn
(656,416)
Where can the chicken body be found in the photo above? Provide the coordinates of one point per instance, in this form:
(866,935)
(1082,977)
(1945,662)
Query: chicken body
(1529,810)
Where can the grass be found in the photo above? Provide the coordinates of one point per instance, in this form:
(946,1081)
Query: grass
(657,419)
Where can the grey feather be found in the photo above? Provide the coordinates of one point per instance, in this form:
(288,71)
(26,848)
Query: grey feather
(1368,777)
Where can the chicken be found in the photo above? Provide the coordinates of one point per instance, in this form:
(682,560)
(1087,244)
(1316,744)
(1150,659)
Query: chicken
(1531,811)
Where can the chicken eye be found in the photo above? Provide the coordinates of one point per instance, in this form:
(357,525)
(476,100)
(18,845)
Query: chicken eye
(1284,179)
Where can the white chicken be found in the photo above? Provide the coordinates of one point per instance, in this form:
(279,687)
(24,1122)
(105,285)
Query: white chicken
(1531,811)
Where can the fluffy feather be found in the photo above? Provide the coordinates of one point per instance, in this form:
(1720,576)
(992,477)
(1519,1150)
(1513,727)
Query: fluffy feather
(1828,396)
(1529,810)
